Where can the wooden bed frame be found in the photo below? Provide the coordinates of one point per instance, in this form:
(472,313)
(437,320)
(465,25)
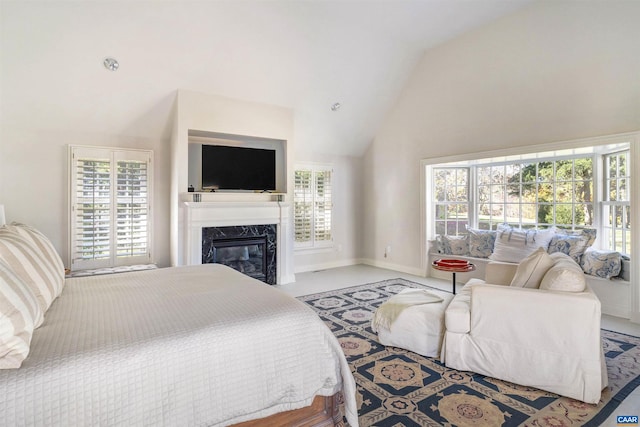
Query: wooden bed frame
(323,412)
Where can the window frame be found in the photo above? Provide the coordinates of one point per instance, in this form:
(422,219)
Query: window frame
(596,147)
(113,156)
(312,244)
(609,228)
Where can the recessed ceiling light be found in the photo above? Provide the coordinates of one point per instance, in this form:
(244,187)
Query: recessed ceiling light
(336,106)
(111,64)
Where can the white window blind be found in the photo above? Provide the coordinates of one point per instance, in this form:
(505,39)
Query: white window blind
(313,206)
(110,219)
(322,206)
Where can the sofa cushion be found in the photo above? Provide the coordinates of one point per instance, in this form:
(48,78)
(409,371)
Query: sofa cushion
(515,244)
(605,264)
(457,317)
(565,275)
(481,242)
(532,269)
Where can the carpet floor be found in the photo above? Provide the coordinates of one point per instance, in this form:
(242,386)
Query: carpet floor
(399,388)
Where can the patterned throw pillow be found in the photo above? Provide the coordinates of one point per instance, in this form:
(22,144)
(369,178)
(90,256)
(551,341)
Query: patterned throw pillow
(605,264)
(572,243)
(454,245)
(481,242)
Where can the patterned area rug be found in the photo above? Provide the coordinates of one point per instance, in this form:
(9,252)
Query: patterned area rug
(398,388)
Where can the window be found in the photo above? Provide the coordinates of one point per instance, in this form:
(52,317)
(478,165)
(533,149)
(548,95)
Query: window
(616,203)
(536,194)
(313,206)
(110,215)
(451,191)
(537,191)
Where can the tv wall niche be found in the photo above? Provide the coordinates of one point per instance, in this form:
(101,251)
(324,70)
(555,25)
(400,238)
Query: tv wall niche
(236,163)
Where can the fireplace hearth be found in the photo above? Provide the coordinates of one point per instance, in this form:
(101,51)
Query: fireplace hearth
(248,249)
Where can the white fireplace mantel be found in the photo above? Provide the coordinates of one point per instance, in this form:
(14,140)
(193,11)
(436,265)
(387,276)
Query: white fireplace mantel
(197,215)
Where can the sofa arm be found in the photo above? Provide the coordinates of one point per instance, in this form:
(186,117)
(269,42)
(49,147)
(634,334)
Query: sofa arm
(500,273)
(540,320)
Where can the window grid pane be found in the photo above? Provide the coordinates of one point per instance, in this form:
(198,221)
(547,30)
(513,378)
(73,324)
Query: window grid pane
(616,206)
(451,200)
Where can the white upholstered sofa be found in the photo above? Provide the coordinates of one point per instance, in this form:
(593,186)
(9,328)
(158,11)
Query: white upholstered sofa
(547,337)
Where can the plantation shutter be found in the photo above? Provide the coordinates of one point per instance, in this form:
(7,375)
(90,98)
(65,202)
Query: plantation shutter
(92,209)
(313,206)
(303,205)
(132,238)
(323,205)
(110,207)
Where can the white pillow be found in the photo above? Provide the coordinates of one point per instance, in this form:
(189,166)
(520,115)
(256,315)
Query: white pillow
(46,252)
(565,275)
(27,262)
(532,269)
(19,312)
(514,244)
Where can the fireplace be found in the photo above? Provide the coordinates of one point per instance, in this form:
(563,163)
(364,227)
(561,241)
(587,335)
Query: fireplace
(249,249)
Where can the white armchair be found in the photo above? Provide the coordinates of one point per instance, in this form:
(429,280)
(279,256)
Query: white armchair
(540,338)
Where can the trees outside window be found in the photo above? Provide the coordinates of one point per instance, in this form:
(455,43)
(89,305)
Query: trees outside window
(536,193)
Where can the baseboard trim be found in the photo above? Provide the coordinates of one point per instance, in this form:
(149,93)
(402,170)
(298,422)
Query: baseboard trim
(395,267)
(327,265)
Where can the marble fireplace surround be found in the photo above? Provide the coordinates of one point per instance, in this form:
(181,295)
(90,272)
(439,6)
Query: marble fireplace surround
(199,215)
(250,249)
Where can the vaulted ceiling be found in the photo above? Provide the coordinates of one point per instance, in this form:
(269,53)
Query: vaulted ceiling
(304,55)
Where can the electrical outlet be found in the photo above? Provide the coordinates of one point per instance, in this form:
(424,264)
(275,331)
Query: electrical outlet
(387,251)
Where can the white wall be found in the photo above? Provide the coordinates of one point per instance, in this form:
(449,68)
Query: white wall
(347,215)
(553,71)
(34,172)
(218,114)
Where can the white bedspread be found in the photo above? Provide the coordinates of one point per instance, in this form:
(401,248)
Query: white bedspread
(183,346)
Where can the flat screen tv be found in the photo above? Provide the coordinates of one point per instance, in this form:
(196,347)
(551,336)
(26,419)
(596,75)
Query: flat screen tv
(238,168)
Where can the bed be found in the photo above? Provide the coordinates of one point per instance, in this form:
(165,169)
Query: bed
(195,345)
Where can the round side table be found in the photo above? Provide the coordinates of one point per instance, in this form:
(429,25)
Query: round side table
(453,269)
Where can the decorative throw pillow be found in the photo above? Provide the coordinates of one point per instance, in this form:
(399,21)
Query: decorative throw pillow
(19,312)
(47,251)
(481,242)
(532,269)
(455,245)
(565,275)
(26,261)
(605,264)
(572,243)
(515,244)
